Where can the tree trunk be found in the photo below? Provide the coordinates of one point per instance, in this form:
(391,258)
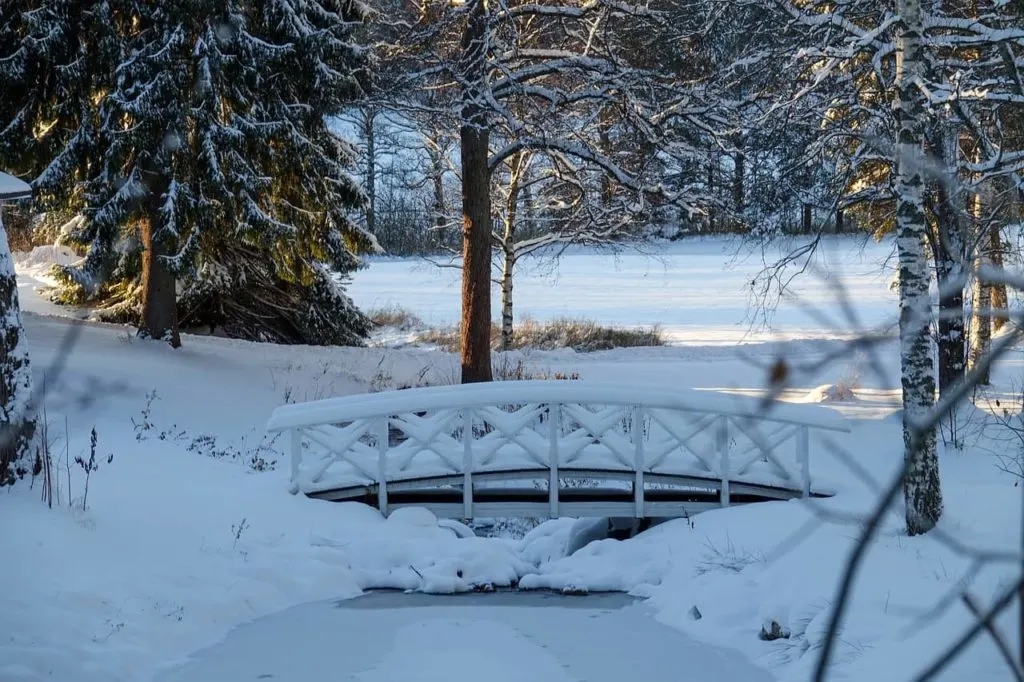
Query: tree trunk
(159,295)
(369,131)
(507,328)
(476,204)
(604,126)
(981,294)
(711,193)
(921,488)
(949,252)
(808,219)
(738,188)
(999,300)
(440,206)
(840,226)
(18,455)
(981,320)
(517,167)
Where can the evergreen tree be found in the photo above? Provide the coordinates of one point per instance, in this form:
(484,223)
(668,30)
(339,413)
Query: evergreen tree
(53,57)
(18,452)
(211,185)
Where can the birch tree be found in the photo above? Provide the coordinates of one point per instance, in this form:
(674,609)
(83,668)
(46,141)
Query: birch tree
(921,489)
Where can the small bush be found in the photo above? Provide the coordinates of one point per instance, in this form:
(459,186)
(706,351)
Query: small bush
(395,316)
(584,336)
(727,559)
(772,631)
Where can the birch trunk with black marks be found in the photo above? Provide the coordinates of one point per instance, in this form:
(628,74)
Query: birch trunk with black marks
(517,167)
(507,327)
(474,136)
(1000,302)
(921,487)
(18,455)
(949,252)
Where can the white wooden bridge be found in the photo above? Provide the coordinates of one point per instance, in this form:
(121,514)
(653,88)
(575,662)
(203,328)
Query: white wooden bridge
(553,448)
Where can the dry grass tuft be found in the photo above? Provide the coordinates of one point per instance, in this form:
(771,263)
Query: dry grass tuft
(584,336)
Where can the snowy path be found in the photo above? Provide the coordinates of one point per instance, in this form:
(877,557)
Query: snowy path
(504,637)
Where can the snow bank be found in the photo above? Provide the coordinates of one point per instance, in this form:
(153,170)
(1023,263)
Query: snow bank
(746,567)
(181,539)
(13,188)
(41,259)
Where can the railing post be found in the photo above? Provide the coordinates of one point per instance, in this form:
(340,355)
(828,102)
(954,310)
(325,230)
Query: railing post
(382,461)
(554,431)
(467,463)
(722,443)
(296,447)
(803,454)
(637,434)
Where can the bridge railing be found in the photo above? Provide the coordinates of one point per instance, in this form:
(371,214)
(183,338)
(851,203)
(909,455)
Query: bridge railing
(450,434)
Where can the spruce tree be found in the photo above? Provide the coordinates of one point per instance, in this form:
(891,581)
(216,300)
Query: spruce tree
(209,183)
(54,56)
(19,453)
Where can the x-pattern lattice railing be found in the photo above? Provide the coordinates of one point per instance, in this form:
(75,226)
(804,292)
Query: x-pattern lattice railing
(453,433)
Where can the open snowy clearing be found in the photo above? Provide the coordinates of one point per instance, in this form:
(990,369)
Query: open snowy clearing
(698,291)
(182,540)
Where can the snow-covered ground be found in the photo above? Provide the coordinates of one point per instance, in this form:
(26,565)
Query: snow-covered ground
(183,538)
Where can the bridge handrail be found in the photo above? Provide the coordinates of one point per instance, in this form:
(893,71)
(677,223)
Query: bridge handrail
(376,405)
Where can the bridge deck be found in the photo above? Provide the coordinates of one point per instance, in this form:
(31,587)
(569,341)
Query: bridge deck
(553,448)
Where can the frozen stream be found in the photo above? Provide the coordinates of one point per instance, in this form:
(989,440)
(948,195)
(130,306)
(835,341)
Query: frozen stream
(502,637)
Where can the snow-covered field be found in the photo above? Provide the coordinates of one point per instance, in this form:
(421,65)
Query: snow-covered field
(181,539)
(698,291)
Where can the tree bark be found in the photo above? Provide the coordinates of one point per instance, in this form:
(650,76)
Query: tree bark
(981,293)
(476,203)
(949,252)
(807,219)
(18,456)
(369,131)
(507,327)
(981,322)
(952,340)
(604,126)
(921,488)
(440,206)
(1000,302)
(159,294)
(738,187)
(517,165)
(711,193)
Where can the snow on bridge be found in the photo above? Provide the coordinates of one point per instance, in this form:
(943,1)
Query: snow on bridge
(553,448)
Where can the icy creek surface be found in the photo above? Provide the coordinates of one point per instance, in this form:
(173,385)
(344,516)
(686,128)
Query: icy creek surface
(499,637)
